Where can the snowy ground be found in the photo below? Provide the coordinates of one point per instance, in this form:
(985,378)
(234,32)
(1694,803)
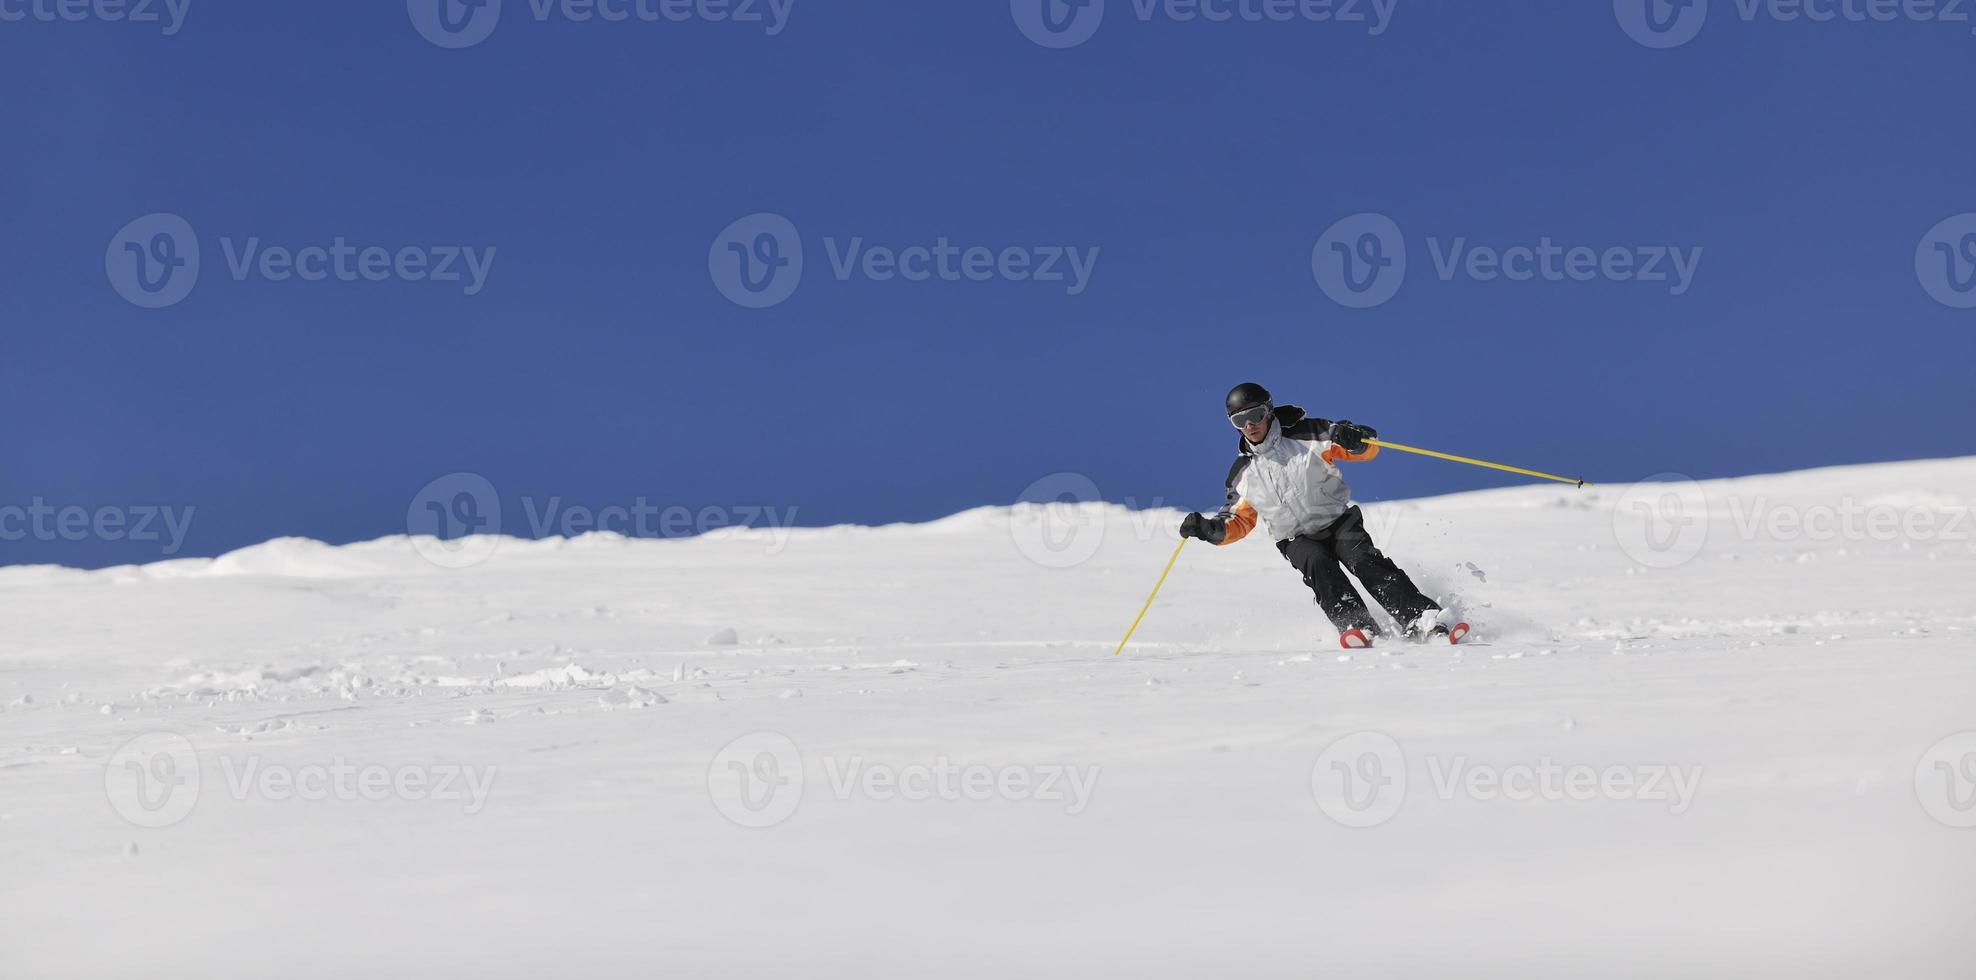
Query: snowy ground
(359,763)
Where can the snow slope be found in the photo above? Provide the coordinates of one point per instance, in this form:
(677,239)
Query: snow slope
(1214,807)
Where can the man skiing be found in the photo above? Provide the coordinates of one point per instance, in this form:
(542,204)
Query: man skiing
(1286,475)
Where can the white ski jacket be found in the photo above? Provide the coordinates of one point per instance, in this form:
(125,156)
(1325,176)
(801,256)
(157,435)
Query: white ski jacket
(1289,481)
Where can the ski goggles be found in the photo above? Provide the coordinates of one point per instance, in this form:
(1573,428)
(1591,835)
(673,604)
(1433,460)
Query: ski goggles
(1249,416)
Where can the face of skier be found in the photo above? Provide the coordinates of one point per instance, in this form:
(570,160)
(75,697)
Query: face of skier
(1253,420)
(1255,431)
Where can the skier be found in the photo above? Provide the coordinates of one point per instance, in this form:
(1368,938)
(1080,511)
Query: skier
(1286,475)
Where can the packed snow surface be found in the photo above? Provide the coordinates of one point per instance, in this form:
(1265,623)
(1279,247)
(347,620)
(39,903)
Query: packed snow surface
(1699,731)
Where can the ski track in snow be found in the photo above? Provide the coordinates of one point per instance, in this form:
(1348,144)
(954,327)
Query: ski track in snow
(600,677)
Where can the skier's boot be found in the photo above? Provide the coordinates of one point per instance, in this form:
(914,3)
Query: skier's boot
(1354,639)
(1436,623)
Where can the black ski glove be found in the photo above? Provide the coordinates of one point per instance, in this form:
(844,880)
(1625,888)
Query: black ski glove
(1351,436)
(1209,529)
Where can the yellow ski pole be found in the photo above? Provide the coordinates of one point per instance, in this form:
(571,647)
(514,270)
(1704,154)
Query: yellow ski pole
(1149,599)
(1476,462)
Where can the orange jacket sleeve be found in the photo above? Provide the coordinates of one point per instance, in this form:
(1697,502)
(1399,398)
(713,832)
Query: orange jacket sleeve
(1240,523)
(1338,454)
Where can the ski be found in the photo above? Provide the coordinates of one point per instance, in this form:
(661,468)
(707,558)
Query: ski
(1359,639)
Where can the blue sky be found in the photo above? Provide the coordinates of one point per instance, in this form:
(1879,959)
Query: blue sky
(600,170)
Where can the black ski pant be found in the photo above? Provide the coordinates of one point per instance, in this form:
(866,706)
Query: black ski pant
(1324,556)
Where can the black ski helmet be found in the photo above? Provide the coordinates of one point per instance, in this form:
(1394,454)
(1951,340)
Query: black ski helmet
(1246,395)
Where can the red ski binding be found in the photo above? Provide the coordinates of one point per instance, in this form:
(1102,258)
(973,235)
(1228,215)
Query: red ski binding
(1354,639)
(1456,632)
